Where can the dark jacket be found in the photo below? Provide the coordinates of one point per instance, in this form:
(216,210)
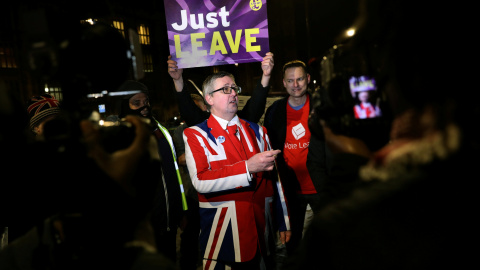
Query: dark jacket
(276,124)
(415,212)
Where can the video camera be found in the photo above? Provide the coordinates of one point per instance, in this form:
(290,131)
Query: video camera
(351,99)
(89,61)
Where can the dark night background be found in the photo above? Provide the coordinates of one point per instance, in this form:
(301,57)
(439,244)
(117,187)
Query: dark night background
(298,29)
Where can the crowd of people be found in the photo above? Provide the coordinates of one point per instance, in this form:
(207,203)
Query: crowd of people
(234,190)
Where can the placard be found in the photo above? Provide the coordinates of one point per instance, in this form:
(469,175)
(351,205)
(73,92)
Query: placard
(209,33)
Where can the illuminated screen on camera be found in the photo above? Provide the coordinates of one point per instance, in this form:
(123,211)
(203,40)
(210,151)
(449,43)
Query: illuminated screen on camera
(364,93)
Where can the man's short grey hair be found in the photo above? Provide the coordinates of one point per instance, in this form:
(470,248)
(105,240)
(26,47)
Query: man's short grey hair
(209,83)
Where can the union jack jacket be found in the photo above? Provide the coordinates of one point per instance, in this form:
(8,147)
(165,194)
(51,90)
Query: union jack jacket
(236,208)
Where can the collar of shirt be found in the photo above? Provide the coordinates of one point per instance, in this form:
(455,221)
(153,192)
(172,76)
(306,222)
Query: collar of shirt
(224,123)
(235,121)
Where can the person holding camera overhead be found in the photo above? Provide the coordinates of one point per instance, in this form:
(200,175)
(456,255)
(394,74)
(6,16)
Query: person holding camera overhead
(414,203)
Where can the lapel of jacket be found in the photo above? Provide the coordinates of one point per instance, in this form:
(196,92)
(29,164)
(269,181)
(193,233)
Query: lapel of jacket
(218,132)
(252,140)
(255,148)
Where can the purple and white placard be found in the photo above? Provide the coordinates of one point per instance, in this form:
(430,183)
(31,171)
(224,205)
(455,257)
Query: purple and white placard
(209,33)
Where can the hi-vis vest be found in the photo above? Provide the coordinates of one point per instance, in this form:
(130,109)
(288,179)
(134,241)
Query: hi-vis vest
(177,170)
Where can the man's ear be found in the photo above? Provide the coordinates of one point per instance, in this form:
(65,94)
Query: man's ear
(208,99)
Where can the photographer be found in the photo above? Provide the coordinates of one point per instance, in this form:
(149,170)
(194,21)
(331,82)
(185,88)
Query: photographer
(413,205)
(78,204)
(96,220)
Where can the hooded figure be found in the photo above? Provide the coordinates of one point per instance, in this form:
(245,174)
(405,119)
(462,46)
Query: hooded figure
(170,196)
(136,103)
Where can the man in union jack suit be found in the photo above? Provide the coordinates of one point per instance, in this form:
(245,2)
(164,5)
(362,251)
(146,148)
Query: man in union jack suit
(230,164)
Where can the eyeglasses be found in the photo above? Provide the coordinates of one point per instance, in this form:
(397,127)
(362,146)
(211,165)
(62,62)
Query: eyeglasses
(227,89)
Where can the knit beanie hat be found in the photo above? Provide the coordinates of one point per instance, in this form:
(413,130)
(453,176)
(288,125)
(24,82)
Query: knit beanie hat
(40,107)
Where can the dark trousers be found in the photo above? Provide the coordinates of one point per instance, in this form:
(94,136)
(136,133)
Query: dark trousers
(189,246)
(166,242)
(298,207)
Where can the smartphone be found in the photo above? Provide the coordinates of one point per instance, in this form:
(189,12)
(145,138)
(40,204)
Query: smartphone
(365,95)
